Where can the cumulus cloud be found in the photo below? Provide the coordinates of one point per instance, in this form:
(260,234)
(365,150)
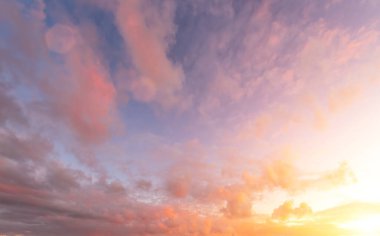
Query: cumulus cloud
(280,173)
(287,210)
(238,205)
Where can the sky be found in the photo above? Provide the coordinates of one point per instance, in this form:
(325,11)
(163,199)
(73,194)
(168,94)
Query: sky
(189,117)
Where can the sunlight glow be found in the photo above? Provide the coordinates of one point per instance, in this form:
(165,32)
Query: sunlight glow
(364,226)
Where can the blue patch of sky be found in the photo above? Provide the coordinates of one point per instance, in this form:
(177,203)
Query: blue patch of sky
(139,117)
(5,33)
(68,158)
(142,118)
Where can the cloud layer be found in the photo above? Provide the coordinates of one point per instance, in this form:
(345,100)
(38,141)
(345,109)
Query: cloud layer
(187,117)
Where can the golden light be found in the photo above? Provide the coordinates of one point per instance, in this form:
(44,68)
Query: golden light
(364,226)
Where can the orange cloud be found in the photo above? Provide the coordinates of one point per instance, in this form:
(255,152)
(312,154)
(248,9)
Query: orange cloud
(343,97)
(280,173)
(238,205)
(283,174)
(287,210)
(340,176)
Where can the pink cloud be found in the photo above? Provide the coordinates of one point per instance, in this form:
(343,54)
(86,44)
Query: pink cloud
(255,129)
(61,38)
(238,205)
(188,194)
(343,97)
(10,110)
(160,80)
(83,95)
(178,187)
(78,92)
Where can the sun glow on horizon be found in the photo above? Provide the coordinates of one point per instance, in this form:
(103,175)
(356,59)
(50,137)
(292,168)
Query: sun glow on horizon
(368,225)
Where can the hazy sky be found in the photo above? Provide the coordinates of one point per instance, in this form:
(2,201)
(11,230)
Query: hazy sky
(189,117)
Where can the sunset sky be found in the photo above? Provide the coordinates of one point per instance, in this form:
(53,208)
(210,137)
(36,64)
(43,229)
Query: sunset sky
(189,117)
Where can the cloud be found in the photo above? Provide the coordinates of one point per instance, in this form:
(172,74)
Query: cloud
(238,205)
(185,169)
(343,97)
(61,38)
(27,27)
(143,184)
(287,210)
(178,187)
(23,148)
(280,173)
(145,27)
(255,129)
(84,96)
(225,62)
(67,200)
(340,176)
(193,180)
(74,88)
(10,109)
